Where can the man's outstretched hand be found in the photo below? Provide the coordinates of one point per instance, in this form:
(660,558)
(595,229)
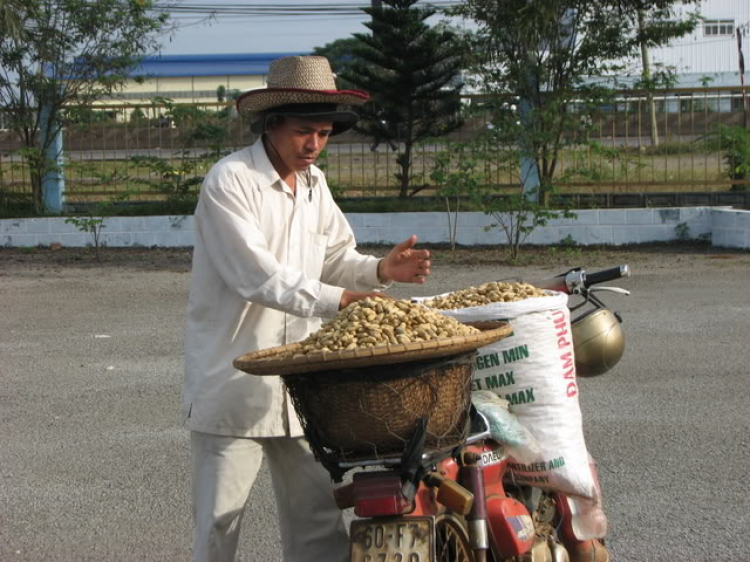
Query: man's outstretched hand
(405,264)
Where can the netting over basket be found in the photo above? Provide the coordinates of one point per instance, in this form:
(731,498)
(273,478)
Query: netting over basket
(372,412)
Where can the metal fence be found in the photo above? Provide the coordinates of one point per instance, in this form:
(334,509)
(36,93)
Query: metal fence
(151,152)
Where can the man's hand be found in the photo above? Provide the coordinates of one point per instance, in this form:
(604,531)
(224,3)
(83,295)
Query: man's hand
(348,297)
(405,264)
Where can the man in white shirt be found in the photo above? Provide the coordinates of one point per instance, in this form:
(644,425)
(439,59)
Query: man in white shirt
(273,254)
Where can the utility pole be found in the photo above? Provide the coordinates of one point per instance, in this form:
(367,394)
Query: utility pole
(53,180)
(530,176)
(742,77)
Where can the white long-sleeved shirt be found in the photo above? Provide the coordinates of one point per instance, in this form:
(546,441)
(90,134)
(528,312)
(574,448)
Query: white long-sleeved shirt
(266,267)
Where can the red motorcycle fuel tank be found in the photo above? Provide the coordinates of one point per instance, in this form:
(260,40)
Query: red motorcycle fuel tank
(510,525)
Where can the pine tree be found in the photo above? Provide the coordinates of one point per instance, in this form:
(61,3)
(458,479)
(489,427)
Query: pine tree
(411,70)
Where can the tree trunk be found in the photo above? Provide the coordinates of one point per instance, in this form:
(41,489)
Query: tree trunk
(36,191)
(405,163)
(34,159)
(646,62)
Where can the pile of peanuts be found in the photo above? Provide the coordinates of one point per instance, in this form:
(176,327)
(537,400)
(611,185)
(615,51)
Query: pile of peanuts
(377,322)
(495,291)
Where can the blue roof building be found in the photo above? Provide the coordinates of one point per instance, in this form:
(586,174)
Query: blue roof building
(181,66)
(195,78)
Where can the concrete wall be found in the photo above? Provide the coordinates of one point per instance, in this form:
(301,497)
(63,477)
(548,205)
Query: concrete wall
(731,229)
(726,227)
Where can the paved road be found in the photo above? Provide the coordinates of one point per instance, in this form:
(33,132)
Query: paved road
(93,462)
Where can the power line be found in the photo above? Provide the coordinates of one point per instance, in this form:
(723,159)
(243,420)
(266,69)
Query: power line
(190,13)
(337,9)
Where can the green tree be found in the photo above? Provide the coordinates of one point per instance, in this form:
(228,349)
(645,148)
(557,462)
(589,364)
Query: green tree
(734,143)
(474,172)
(9,21)
(556,59)
(458,174)
(67,53)
(340,53)
(410,69)
(654,25)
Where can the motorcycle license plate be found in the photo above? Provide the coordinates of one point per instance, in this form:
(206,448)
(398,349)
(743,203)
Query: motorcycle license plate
(406,539)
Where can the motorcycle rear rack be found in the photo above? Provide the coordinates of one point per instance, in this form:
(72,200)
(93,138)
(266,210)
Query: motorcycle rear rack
(480,430)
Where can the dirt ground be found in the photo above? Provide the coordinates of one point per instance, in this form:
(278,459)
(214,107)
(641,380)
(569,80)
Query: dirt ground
(661,256)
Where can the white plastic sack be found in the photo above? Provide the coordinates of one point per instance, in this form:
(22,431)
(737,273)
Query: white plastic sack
(534,369)
(505,427)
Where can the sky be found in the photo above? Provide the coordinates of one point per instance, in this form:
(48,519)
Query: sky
(252,33)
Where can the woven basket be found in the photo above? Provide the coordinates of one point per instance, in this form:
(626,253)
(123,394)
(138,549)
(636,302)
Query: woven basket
(372,413)
(365,404)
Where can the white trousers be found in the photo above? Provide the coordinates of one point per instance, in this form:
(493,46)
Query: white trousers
(223,471)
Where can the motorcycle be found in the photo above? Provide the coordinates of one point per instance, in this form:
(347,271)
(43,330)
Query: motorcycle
(461,506)
(452,500)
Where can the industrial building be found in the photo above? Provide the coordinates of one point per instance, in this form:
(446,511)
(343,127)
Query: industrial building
(710,55)
(194,78)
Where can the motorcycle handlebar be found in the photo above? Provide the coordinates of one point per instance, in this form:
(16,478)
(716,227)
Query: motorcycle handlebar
(578,279)
(607,275)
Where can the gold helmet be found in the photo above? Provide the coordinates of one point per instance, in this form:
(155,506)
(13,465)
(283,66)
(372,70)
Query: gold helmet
(598,342)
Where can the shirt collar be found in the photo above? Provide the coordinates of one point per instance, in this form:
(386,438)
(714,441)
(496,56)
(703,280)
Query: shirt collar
(263,164)
(264,167)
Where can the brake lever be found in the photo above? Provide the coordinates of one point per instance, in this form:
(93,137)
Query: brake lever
(616,290)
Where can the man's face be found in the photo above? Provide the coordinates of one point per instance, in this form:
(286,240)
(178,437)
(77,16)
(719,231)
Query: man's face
(298,142)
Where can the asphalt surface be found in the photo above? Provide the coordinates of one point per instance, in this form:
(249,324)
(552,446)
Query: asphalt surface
(94,463)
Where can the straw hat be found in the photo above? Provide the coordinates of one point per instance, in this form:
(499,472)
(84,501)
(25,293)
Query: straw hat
(301,87)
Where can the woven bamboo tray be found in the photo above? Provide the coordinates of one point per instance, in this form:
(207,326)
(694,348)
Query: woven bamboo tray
(270,362)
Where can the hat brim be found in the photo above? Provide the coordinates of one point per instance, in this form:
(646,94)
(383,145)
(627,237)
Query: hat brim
(256,101)
(342,120)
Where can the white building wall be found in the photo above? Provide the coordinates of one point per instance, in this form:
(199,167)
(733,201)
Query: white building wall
(699,53)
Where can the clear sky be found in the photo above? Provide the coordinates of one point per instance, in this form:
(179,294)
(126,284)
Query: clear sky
(241,33)
(256,26)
